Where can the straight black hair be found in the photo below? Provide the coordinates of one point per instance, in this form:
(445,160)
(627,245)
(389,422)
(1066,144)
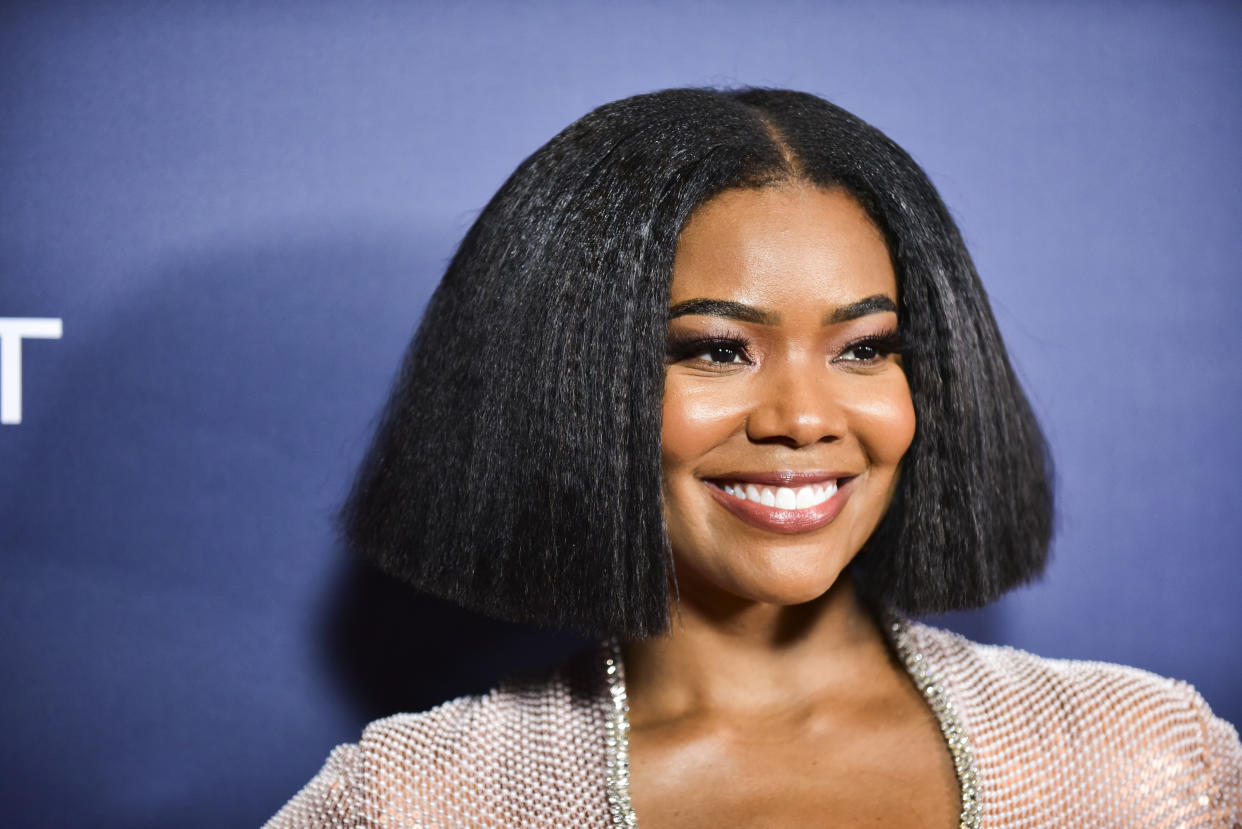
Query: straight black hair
(517,467)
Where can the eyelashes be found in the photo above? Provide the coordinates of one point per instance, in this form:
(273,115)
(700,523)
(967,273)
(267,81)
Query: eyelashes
(724,348)
(876,346)
(731,348)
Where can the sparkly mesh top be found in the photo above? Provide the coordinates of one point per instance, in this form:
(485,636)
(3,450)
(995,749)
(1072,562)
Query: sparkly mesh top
(1035,743)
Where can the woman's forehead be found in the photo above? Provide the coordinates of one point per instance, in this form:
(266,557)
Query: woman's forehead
(782,246)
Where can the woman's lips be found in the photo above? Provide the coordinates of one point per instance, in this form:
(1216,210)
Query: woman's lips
(786,502)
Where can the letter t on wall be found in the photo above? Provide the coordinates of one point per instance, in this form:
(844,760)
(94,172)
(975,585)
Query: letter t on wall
(12,331)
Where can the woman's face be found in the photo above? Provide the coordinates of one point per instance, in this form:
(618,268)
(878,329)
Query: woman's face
(786,410)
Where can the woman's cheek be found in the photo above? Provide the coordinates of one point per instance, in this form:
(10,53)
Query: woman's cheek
(696,418)
(886,423)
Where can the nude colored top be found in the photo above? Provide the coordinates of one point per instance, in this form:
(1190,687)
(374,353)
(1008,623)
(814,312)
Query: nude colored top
(1054,743)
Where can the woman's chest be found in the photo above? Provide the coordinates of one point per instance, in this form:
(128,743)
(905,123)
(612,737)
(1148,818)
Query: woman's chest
(896,774)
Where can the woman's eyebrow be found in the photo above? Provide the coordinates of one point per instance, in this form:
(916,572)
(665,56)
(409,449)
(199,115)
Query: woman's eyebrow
(723,308)
(741,312)
(871,305)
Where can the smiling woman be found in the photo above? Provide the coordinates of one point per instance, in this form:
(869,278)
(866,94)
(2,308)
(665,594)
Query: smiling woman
(762,411)
(784,399)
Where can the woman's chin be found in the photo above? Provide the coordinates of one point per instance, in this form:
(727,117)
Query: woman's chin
(769,586)
(791,595)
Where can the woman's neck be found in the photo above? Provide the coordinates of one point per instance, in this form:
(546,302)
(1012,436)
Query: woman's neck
(752,658)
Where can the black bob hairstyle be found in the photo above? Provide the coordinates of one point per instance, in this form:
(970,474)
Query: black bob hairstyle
(517,468)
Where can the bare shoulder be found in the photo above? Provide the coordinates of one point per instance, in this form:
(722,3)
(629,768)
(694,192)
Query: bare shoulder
(1054,736)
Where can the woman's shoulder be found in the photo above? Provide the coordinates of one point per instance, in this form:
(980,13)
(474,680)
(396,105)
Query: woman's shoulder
(1051,734)
(1004,669)
(526,748)
(531,715)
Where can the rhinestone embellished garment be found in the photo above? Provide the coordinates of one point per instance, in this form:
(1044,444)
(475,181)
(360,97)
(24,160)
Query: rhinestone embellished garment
(1035,743)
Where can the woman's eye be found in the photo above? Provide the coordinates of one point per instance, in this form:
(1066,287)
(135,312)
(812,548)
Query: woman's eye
(873,350)
(708,352)
(863,352)
(722,354)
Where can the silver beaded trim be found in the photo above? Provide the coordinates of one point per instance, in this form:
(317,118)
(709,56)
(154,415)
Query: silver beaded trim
(946,715)
(618,729)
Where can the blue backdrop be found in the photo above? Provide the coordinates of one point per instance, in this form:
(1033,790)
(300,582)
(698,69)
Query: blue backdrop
(238,211)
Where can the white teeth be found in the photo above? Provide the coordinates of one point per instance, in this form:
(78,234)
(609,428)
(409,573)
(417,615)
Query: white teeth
(783,497)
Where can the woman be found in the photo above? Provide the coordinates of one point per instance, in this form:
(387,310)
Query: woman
(774,289)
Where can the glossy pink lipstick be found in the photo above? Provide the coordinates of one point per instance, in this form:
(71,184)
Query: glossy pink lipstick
(783,502)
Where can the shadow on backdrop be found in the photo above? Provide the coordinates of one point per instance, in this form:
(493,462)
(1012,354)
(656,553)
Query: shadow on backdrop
(396,650)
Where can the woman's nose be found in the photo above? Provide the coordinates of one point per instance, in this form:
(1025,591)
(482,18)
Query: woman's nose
(796,404)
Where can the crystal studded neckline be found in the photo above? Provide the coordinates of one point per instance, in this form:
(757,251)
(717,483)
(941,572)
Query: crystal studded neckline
(617,726)
(617,738)
(941,704)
